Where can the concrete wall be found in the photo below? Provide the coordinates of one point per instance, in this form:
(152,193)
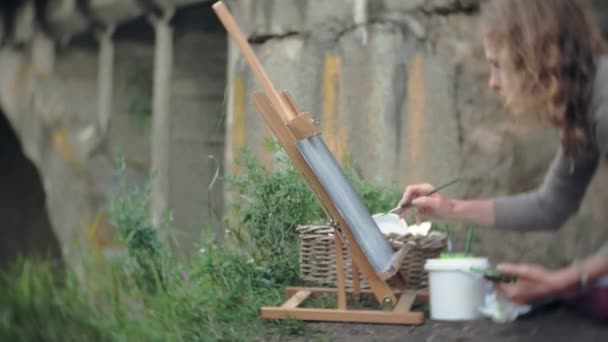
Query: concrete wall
(402,87)
(398,84)
(50,92)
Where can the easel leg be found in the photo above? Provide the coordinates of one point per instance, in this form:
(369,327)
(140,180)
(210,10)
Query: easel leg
(340,272)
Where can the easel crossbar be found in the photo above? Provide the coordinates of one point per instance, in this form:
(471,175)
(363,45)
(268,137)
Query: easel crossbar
(401,314)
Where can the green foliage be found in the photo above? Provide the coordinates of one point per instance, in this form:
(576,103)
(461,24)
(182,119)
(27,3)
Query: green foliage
(213,296)
(272,203)
(235,289)
(129,212)
(140,84)
(145,295)
(36,306)
(377,199)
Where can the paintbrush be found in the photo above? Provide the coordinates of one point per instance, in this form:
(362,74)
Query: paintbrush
(408,203)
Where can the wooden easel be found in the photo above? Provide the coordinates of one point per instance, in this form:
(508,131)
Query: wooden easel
(289,124)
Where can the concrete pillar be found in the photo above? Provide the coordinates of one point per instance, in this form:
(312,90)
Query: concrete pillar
(161,125)
(25,23)
(105,77)
(43,54)
(360,18)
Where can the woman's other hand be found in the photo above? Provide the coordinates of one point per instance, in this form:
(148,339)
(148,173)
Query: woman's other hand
(534,282)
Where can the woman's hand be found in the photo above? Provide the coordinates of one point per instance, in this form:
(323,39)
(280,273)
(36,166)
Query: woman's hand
(435,206)
(533,283)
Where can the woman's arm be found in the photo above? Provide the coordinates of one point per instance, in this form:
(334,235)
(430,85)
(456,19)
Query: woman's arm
(546,208)
(553,203)
(536,282)
(478,212)
(565,184)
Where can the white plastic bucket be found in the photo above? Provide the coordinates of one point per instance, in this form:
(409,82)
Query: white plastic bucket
(456,293)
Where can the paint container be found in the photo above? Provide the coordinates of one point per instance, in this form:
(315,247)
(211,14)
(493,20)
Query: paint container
(456,293)
(390,224)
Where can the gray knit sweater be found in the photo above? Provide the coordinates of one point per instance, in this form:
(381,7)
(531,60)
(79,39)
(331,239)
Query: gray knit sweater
(566,182)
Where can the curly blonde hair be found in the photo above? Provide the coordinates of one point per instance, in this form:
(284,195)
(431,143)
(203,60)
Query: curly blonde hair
(550,48)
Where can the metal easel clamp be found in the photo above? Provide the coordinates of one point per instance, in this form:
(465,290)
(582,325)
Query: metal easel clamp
(303,126)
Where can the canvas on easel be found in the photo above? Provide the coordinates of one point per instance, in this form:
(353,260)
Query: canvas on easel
(372,255)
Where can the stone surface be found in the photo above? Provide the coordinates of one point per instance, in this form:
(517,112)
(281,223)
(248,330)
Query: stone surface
(398,85)
(405,93)
(64,19)
(553,323)
(259,18)
(53,110)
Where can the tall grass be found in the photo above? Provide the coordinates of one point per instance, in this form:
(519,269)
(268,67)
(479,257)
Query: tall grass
(145,294)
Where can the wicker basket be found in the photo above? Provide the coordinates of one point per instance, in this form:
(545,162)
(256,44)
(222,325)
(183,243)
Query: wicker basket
(318,260)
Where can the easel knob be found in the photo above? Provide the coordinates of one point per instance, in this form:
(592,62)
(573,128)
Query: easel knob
(387,304)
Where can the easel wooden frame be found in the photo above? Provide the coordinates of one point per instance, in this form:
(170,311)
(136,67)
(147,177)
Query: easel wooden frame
(289,124)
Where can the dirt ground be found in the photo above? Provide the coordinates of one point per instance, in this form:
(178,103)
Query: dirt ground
(552,324)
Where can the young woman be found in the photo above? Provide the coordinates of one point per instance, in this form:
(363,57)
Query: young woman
(546,57)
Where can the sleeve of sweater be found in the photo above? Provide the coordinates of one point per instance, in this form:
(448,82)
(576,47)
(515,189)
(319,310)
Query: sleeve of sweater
(548,207)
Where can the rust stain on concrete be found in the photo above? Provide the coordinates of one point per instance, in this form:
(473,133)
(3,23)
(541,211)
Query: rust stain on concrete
(62,143)
(415,121)
(333,116)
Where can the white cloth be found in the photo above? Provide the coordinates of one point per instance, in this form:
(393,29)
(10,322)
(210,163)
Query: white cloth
(501,310)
